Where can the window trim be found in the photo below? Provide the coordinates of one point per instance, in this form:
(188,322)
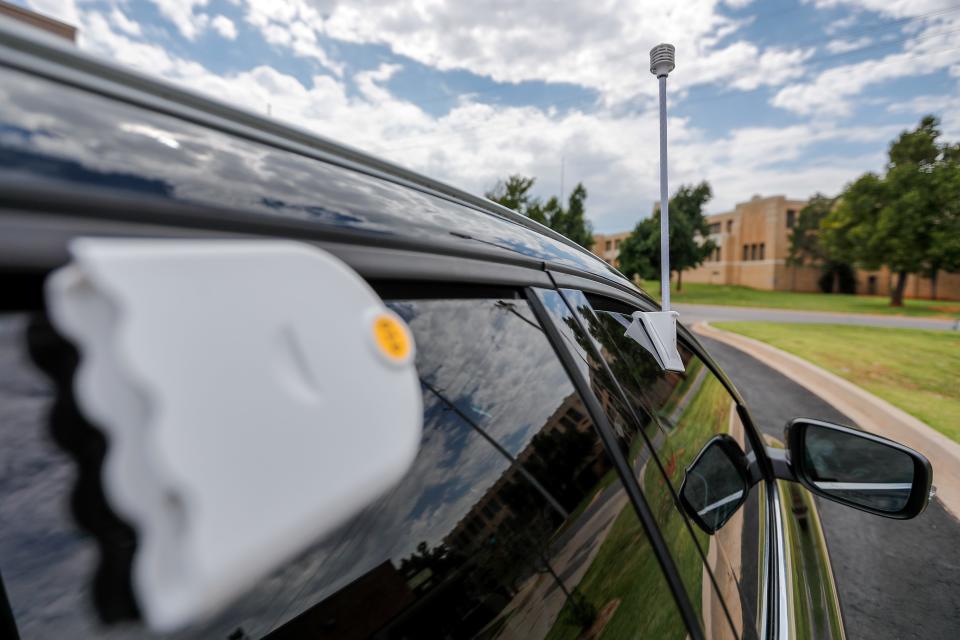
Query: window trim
(773,580)
(608,437)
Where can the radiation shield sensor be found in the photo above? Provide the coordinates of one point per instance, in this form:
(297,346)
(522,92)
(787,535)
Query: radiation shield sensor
(254,395)
(656,331)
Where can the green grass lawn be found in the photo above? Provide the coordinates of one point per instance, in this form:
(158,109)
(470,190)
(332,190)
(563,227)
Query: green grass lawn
(625,569)
(736,296)
(913,369)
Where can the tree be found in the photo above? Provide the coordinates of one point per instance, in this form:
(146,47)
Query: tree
(572,221)
(514,192)
(944,254)
(807,248)
(804,238)
(906,219)
(689,246)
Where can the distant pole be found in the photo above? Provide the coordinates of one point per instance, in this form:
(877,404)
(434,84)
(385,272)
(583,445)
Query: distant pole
(661,64)
(561,180)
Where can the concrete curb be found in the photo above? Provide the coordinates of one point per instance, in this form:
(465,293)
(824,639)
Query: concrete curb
(865,409)
(942,318)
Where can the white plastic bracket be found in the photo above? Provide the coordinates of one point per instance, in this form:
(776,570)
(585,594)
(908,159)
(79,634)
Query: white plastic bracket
(658,329)
(255,395)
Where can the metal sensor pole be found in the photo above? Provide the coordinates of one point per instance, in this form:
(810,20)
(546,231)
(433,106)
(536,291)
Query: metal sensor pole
(661,64)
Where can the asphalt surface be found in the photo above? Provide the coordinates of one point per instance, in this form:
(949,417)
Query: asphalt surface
(692,313)
(896,579)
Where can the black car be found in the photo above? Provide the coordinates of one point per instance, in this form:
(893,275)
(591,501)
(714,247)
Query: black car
(566,486)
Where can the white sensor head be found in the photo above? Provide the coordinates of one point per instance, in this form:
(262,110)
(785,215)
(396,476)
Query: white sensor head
(662,59)
(246,414)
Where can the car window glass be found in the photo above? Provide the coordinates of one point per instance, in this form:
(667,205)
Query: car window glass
(689,409)
(633,436)
(512,522)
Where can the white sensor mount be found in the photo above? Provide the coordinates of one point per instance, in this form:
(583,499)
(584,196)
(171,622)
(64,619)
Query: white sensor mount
(662,59)
(255,395)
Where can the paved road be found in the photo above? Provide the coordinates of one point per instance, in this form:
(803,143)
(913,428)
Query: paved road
(897,579)
(691,313)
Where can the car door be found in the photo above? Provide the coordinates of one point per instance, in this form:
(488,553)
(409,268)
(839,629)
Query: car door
(512,523)
(680,414)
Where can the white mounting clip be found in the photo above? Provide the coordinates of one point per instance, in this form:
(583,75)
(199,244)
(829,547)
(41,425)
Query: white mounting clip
(656,331)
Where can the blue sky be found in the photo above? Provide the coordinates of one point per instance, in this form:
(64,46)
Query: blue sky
(775,97)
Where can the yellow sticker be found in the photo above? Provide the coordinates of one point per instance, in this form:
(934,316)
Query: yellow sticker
(391,337)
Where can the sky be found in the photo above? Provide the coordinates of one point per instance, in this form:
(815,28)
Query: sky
(768,97)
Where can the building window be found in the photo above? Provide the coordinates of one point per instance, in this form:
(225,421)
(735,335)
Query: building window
(746,252)
(791,218)
(608,245)
(715,227)
(729,226)
(616,244)
(761,251)
(753,252)
(716,253)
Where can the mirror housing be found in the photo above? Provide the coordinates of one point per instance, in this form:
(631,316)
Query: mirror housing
(715,484)
(858,469)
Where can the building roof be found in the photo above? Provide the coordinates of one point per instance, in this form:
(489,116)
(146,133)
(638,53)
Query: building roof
(39,21)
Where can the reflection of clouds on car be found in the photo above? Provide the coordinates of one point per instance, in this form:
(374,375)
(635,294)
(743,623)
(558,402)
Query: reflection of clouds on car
(204,166)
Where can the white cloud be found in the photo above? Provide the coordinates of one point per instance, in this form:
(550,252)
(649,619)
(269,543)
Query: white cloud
(841,24)
(892,8)
(843,46)
(291,25)
(935,46)
(125,24)
(181,13)
(947,106)
(602,46)
(610,149)
(224,26)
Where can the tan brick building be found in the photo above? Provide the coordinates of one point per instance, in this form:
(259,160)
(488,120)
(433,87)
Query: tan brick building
(752,247)
(753,243)
(57,28)
(607,246)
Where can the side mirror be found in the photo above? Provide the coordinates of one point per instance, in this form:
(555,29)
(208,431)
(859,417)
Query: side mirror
(859,469)
(715,484)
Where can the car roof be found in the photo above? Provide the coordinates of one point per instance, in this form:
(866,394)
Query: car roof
(88,124)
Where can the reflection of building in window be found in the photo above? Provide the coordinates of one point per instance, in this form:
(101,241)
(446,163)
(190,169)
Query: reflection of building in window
(356,611)
(551,457)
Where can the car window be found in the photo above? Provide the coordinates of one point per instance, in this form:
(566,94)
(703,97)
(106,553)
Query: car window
(512,522)
(635,430)
(689,409)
